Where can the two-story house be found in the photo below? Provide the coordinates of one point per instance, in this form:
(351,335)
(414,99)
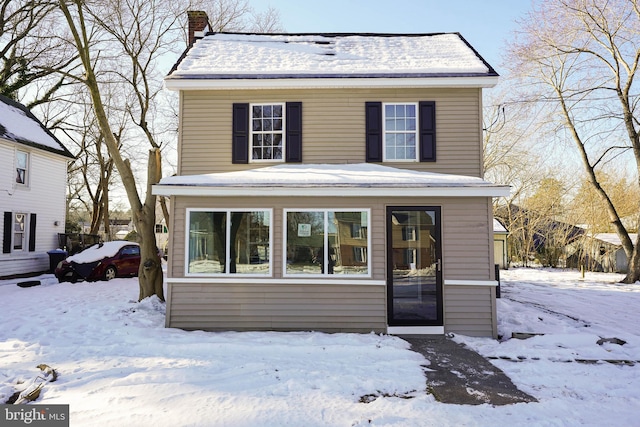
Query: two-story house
(330,182)
(33,184)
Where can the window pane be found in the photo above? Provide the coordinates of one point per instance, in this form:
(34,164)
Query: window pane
(410,110)
(257,111)
(305,243)
(277,140)
(207,242)
(257,124)
(277,124)
(411,124)
(348,241)
(249,243)
(389,111)
(267,124)
(267,110)
(21,160)
(390,124)
(277,111)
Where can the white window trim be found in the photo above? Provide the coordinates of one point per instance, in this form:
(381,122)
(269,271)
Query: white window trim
(325,243)
(27,172)
(384,133)
(227,237)
(284,133)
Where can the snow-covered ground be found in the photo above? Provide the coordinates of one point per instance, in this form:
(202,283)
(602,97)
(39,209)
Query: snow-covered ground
(118,365)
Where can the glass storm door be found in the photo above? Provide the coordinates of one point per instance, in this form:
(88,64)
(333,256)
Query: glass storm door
(414,266)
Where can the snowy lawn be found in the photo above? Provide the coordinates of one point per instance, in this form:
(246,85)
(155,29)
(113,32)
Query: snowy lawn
(118,365)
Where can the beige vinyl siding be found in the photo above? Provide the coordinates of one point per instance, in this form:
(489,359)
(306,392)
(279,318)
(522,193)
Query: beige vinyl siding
(333,127)
(470,310)
(283,305)
(273,306)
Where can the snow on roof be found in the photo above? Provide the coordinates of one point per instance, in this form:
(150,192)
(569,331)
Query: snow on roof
(498,227)
(321,175)
(612,238)
(224,55)
(332,177)
(99,251)
(19,125)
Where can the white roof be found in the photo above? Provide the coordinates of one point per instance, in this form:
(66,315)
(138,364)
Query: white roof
(363,179)
(223,56)
(612,238)
(498,227)
(19,125)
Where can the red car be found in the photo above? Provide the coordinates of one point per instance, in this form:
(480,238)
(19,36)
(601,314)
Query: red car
(104,261)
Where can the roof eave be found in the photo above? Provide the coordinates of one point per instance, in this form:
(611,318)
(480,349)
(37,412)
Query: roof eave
(304,82)
(331,191)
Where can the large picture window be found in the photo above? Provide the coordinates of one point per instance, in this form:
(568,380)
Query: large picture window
(267,132)
(229,242)
(322,242)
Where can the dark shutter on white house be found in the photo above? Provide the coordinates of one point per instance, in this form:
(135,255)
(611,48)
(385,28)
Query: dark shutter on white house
(294,132)
(427,113)
(6,235)
(240,142)
(373,123)
(32,232)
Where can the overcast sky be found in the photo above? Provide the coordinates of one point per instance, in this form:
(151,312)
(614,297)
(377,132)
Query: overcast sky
(486,24)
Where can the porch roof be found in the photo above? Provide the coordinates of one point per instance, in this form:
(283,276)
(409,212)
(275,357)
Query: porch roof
(362,179)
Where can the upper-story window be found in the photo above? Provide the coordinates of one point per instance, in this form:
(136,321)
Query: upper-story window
(267,132)
(22,167)
(400,132)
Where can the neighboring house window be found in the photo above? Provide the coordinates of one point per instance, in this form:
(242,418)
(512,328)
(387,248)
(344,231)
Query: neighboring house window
(161,229)
(267,132)
(229,242)
(22,162)
(360,254)
(319,242)
(400,131)
(409,233)
(19,232)
(358,231)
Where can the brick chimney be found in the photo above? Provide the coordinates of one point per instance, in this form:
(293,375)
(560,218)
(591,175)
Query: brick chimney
(198,24)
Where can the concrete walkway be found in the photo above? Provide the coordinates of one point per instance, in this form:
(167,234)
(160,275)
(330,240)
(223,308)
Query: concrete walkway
(459,375)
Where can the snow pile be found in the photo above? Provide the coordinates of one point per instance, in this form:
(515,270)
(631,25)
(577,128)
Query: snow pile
(119,365)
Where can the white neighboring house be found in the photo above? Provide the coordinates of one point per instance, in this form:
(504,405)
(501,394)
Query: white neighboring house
(33,180)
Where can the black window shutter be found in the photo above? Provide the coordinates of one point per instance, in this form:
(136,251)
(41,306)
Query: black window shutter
(373,119)
(240,143)
(32,232)
(6,236)
(294,132)
(427,131)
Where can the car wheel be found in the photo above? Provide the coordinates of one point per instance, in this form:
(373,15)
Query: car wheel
(110,273)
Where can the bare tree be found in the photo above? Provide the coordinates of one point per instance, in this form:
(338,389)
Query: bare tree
(580,58)
(150,273)
(29,53)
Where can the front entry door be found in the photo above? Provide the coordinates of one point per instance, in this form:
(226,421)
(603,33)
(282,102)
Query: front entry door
(414,266)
